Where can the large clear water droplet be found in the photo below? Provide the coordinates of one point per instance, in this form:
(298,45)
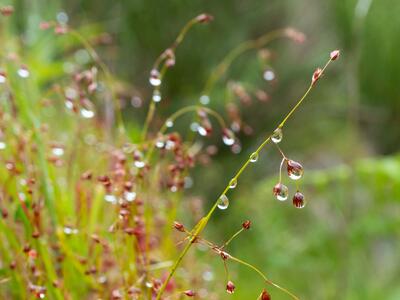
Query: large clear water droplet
(294,169)
(155,79)
(233,183)
(223,202)
(156,96)
(276,136)
(254,157)
(280,191)
(299,200)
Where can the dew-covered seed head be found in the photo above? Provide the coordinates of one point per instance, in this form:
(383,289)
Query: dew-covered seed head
(230,287)
(294,169)
(280,191)
(299,200)
(334,55)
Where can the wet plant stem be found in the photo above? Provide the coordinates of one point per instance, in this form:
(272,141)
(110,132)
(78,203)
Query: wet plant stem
(199,227)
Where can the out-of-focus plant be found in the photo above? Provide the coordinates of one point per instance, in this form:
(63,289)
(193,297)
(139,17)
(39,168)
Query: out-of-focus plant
(89,211)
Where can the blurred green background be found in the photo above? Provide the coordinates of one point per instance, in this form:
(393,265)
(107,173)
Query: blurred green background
(345,243)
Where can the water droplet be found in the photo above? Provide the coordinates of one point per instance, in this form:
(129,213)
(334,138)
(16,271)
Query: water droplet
(299,200)
(277,135)
(57,151)
(254,157)
(160,144)
(86,113)
(294,169)
(110,198)
(69,104)
(129,196)
(3,145)
(223,202)
(202,131)
(3,77)
(208,275)
(156,96)
(228,137)
(169,123)
(280,191)
(269,75)
(204,99)
(233,183)
(62,17)
(155,79)
(194,126)
(139,164)
(23,72)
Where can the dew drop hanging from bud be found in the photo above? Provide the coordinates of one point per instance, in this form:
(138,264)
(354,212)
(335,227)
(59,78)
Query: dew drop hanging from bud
(233,183)
(298,200)
(156,96)
(223,202)
(23,72)
(294,169)
(269,75)
(254,157)
(155,79)
(277,135)
(280,191)
(228,137)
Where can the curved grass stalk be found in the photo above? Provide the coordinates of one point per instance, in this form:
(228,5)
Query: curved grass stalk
(92,52)
(199,227)
(163,56)
(250,266)
(223,66)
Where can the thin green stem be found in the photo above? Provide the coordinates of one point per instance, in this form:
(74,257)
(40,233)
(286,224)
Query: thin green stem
(263,276)
(220,70)
(203,222)
(232,238)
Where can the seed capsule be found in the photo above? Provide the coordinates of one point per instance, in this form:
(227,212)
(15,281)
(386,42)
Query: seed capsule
(223,202)
(294,169)
(298,200)
(280,191)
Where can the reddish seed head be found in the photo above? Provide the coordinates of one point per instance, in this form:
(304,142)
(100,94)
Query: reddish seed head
(224,255)
(230,287)
(335,54)
(246,225)
(316,75)
(204,18)
(298,200)
(265,295)
(189,293)
(179,226)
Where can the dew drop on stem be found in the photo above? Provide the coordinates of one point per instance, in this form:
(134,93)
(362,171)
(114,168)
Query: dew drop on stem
(299,200)
(156,96)
(277,136)
(254,157)
(223,202)
(233,183)
(169,123)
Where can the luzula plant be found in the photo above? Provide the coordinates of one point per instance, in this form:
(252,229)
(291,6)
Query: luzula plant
(96,217)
